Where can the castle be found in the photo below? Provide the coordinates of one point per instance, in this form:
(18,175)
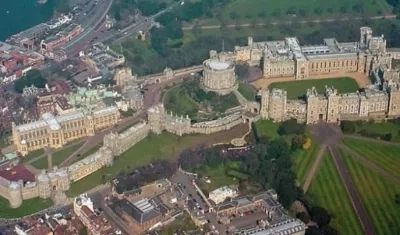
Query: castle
(47,184)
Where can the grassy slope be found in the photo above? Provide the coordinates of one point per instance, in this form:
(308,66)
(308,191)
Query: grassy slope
(303,160)
(377,194)
(329,192)
(382,128)
(247,91)
(28,207)
(298,89)
(267,128)
(163,146)
(387,157)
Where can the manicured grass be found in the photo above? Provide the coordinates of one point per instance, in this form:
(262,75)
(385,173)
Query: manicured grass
(189,98)
(163,146)
(247,91)
(28,207)
(385,156)
(297,89)
(266,128)
(181,223)
(377,194)
(57,157)
(32,155)
(245,9)
(381,128)
(303,160)
(219,177)
(328,190)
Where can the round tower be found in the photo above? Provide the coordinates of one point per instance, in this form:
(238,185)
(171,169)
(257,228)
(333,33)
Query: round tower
(63,179)
(15,194)
(44,186)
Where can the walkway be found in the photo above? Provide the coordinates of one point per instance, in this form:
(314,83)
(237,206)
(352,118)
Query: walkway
(370,164)
(352,192)
(314,168)
(389,17)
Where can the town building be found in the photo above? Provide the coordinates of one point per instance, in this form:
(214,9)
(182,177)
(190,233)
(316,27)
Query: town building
(221,194)
(141,215)
(16,61)
(60,39)
(277,220)
(93,221)
(55,131)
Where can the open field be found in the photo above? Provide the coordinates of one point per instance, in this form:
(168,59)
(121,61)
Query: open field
(385,156)
(377,194)
(264,9)
(57,157)
(267,129)
(329,192)
(164,146)
(28,207)
(247,91)
(297,89)
(303,160)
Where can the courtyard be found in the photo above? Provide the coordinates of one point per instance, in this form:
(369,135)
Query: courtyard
(297,89)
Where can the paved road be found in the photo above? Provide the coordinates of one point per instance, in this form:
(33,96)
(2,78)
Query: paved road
(186,181)
(390,17)
(352,191)
(370,164)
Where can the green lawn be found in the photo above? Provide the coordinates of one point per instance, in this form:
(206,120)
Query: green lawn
(266,128)
(219,177)
(32,155)
(297,89)
(385,156)
(303,160)
(57,157)
(184,223)
(381,128)
(264,9)
(247,91)
(328,190)
(28,207)
(162,146)
(377,194)
(189,98)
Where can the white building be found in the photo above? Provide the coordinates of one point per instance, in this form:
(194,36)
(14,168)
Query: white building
(221,194)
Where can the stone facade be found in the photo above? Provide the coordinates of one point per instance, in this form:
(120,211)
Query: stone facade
(330,106)
(219,76)
(55,131)
(287,58)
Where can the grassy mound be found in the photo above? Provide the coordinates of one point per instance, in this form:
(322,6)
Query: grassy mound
(190,99)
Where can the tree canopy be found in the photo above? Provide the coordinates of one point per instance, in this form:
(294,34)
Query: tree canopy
(32,77)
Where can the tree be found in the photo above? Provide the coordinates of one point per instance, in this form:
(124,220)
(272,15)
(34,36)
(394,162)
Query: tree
(330,10)
(291,126)
(83,231)
(320,216)
(343,9)
(32,77)
(277,13)
(348,126)
(262,14)
(234,15)
(318,11)
(303,12)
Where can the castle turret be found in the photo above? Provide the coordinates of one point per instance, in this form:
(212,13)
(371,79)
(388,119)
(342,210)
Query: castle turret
(264,110)
(44,187)
(15,194)
(155,117)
